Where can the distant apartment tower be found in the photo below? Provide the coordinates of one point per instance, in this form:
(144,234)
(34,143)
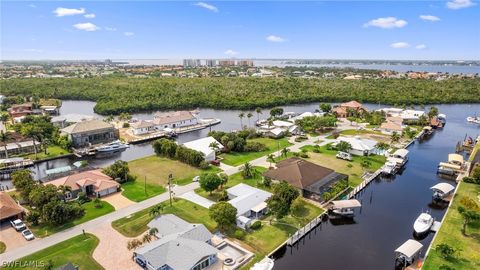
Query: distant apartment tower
(191,63)
(245,63)
(226,63)
(211,62)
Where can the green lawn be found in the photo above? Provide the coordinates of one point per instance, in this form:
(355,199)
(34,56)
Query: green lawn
(77,250)
(468,247)
(135,224)
(236,179)
(355,171)
(235,159)
(3,247)
(135,191)
(91,212)
(52,151)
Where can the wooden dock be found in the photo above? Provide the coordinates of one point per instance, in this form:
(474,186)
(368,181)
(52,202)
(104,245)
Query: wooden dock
(364,184)
(305,230)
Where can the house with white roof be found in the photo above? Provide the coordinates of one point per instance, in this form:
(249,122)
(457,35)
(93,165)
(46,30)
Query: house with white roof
(279,128)
(142,127)
(360,146)
(250,203)
(173,120)
(204,145)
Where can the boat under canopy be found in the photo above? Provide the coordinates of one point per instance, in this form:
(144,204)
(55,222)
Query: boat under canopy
(401,153)
(455,159)
(450,166)
(445,188)
(409,249)
(341,204)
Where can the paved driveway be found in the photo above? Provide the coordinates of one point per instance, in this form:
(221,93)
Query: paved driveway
(117,200)
(112,252)
(195,198)
(11,237)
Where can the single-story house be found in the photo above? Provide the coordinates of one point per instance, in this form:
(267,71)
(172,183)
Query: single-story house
(180,245)
(20,110)
(307,114)
(360,146)
(311,179)
(204,145)
(92,182)
(411,114)
(142,127)
(90,132)
(250,203)
(274,132)
(9,208)
(50,109)
(342,110)
(17,148)
(392,124)
(176,119)
(71,118)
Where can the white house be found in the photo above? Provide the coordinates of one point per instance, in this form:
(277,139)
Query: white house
(142,127)
(203,145)
(173,120)
(360,147)
(411,114)
(250,203)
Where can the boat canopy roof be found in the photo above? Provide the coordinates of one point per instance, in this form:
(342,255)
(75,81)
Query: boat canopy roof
(456,158)
(443,187)
(11,160)
(409,248)
(345,204)
(401,153)
(449,165)
(427,128)
(395,160)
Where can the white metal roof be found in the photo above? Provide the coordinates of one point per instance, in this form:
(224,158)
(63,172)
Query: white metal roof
(455,158)
(409,248)
(359,143)
(246,197)
(203,145)
(443,187)
(345,204)
(401,153)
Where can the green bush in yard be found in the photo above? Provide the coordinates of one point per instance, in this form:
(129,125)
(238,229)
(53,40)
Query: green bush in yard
(256,225)
(239,234)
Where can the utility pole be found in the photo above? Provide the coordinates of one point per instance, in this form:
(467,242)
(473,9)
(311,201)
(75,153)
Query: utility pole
(170,176)
(145,184)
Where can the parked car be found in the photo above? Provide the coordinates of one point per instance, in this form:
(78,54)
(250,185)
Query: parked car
(344,156)
(27,234)
(215,162)
(18,225)
(196,179)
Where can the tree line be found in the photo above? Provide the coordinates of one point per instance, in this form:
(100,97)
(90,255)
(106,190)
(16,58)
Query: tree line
(168,148)
(116,95)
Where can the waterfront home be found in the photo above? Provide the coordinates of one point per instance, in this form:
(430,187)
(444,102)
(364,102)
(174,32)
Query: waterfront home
(279,129)
(173,120)
(180,245)
(90,132)
(208,146)
(9,208)
(343,110)
(391,125)
(92,183)
(142,127)
(406,115)
(310,179)
(250,203)
(64,120)
(50,109)
(360,146)
(19,148)
(307,114)
(19,111)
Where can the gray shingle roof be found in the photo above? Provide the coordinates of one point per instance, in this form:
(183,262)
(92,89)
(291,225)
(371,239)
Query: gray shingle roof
(85,126)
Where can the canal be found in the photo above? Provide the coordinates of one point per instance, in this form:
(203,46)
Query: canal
(390,207)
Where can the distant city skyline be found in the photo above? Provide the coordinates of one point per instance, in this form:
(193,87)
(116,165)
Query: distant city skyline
(402,30)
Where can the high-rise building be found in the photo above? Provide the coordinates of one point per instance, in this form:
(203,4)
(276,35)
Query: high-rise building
(191,63)
(226,63)
(245,63)
(211,62)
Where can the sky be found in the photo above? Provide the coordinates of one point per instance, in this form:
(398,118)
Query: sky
(398,30)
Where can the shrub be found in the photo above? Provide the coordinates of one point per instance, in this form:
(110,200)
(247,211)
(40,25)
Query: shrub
(445,250)
(267,181)
(126,125)
(295,154)
(256,225)
(83,198)
(304,155)
(33,217)
(471,180)
(239,234)
(97,203)
(204,165)
(255,147)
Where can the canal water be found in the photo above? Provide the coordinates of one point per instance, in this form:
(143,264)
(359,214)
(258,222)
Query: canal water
(390,207)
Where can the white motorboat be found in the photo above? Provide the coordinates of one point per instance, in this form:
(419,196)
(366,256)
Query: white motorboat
(115,146)
(442,191)
(344,208)
(423,223)
(474,119)
(265,264)
(390,168)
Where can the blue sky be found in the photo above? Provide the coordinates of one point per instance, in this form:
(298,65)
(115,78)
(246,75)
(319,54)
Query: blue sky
(267,29)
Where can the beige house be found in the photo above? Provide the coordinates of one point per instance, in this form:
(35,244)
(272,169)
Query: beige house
(90,132)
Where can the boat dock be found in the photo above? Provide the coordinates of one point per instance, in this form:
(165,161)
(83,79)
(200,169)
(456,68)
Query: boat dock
(305,230)
(364,184)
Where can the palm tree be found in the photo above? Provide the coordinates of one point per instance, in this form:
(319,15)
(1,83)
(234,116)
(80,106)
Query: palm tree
(241,115)
(4,137)
(146,238)
(153,231)
(3,117)
(249,115)
(133,244)
(271,159)
(224,178)
(395,137)
(247,170)
(156,210)
(285,151)
(258,111)
(32,132)
(214,146)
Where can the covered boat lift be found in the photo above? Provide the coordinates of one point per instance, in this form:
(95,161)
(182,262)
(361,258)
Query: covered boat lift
(442,190)
(407,253)
(344,207)
(401,153)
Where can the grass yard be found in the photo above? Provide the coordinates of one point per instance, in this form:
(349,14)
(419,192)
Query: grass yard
(236,179)
(235,159)
(135,191)
(354,132)
(3,247)
(77,250)
(135,224)
(91,212)
(467,247)
(52,151)
(353,168)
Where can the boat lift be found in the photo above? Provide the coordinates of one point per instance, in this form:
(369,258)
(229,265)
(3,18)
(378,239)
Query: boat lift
(344,208)
(407,253)
(442,191)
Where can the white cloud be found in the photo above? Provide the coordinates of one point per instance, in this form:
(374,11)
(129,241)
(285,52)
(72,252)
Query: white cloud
(128,34)
(421,46)
(230,52)
(400,45)
(110,28)
(207,6)
(274,38)
(458,4)
(60,11)
(89,16)
(90,27)
(34,50)
(429,18)
(32,6)
(386,23)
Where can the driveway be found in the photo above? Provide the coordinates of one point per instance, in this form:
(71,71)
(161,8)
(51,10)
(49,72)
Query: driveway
(195,198)
(112,252)
(11,237)
(117,200)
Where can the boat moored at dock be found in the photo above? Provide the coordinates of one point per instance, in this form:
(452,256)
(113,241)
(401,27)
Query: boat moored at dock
(423,223)
(113,147)
(453,167)
(389,168)
(344,208)
(442,191)
(407,253)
